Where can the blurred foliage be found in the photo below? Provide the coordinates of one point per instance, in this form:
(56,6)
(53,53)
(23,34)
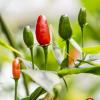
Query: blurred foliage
(93,8)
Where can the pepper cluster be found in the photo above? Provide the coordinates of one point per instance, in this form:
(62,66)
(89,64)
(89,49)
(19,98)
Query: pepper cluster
(43,38)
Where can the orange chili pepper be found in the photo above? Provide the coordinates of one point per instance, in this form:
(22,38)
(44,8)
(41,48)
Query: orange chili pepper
(73,55)
(16,68)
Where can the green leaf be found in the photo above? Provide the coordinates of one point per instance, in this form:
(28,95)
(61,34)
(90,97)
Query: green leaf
(58,54)
(89,62)
(90,70)
(26,98)
(46,79)
(2,43)
(27,64)
(75,45)
(37,93)
(92,57)
(92,49)
(57,51)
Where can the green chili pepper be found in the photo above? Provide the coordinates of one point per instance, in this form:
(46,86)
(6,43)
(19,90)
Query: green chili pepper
(82,17)
(28,37)
(65,30)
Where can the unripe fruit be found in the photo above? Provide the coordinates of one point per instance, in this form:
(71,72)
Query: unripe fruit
(82,17)
(16,68)
(28,37)
(65,30)
(42,31)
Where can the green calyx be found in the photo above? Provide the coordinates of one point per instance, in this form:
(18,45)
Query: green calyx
(65,30)
(82,17)
(28,37)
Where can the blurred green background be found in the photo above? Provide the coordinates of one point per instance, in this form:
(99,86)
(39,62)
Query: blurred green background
(19,13)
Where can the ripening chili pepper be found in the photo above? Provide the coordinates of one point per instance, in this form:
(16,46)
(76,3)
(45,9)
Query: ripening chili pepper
(82,17)
(28,37)
(65,30)
(73,56)
(16,68)
(42,31)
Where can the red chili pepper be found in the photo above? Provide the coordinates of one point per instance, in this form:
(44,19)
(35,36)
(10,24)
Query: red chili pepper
(42,31)
(16,68)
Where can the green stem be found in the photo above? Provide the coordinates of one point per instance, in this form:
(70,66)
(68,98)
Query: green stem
(82,37)
(16,84)
(31,50)
(38,94)
(65,83)
(67,46)
(45,48)
(80,62)
(82,41)
(25,84)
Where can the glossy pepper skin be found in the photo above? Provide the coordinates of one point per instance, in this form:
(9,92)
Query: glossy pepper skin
(16,68)
(28,37)
(65,30)
(42,31)
(82,17)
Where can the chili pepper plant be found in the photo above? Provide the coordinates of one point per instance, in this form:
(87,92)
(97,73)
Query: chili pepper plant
(52,85)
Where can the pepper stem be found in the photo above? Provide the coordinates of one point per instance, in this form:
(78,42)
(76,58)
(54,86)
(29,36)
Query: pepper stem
(82,41)
(45,48)
(25,84)
(31,50)
(67,46)
(16,84)
(65,83)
